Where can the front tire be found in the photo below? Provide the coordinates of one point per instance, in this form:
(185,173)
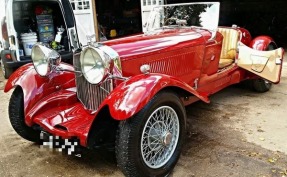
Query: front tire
(17,118)
(149,143)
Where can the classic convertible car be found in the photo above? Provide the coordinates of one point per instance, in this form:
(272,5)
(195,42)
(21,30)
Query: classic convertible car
(132,92)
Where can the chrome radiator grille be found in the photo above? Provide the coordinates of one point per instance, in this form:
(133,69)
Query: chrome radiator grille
(90,95)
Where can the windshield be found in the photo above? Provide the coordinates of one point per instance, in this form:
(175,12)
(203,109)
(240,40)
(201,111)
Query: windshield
(203,15)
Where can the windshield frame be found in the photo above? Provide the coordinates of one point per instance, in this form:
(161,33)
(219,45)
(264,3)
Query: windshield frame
(155,13)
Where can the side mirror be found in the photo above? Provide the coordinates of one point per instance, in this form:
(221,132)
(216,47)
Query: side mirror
(44,59)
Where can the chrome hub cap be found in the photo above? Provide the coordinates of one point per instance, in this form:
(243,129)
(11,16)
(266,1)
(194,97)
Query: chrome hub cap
(167,139)
(160,136)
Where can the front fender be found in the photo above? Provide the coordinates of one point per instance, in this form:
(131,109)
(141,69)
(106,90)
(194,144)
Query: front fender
(36,87)
(261,43)
(131,96)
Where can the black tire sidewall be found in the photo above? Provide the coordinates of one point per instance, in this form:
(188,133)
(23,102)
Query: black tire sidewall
(17,118)
(259,85)
(6,71)
(138,123)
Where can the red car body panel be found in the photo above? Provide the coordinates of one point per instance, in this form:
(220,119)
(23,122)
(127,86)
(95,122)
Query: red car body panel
(146,45)
(36,87)
(245,36)
(72,120)
(261,42)
(60,112)
(179,58)
(131,96)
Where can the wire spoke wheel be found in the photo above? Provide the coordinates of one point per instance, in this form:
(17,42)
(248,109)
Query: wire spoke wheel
(159,137)
(150,142)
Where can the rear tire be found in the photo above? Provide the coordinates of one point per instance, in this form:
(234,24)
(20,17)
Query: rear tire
(149,143)
(6,71)
(17,118)
(261,85)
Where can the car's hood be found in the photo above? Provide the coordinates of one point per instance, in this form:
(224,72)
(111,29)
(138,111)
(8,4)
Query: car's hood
(148,44)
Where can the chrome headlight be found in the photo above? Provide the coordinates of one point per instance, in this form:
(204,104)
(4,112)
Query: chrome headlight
(97,63)
(44,58)
(40,60)
(93,66)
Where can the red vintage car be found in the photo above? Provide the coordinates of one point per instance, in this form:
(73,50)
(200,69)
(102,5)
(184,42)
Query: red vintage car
(132,92)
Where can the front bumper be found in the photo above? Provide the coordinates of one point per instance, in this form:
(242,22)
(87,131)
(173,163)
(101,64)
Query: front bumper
(12,62)
(17,64)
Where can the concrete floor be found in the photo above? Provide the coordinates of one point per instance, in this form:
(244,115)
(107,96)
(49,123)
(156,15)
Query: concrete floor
(241,134)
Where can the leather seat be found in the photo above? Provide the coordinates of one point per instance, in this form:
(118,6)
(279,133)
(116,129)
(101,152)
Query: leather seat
(229,46)
(223,62)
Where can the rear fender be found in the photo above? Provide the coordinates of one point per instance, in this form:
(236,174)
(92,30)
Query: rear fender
(245,36)
(261,43)
(131,96)
(36,87)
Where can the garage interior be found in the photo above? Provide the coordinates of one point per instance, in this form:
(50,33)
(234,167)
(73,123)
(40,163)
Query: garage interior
(259,17)
(124,16)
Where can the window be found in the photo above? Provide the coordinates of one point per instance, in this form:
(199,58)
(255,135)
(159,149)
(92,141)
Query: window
(81,5)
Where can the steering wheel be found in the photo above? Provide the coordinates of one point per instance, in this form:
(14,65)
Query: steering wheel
(175,22)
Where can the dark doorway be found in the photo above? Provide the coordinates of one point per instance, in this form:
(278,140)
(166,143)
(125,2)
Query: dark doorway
(259,17)
(118,18)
